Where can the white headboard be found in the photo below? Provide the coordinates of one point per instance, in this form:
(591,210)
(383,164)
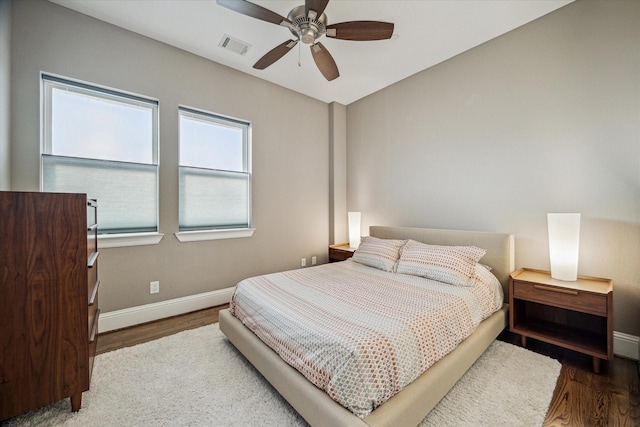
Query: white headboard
(499,246)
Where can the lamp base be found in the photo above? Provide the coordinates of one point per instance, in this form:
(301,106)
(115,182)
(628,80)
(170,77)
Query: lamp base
(354,229)
(566,273)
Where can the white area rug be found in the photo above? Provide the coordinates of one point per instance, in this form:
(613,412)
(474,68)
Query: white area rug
(197,378)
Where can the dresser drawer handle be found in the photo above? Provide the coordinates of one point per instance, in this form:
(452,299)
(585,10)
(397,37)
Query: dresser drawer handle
(558,290)
(92,259)
(94,292)
(94,327)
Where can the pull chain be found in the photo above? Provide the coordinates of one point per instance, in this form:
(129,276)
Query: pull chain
(299,54)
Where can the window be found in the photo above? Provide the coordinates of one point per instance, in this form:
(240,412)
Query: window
(215,172)
(104,143)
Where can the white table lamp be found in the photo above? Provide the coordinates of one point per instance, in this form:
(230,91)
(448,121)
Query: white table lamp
(564,242)
(354,229)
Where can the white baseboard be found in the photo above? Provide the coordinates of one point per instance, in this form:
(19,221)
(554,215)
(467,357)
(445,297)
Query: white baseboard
(626,345)
(146,313)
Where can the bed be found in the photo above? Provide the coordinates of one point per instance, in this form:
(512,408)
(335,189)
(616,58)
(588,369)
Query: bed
(410,405)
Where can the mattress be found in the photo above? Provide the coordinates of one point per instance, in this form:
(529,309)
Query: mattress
(359,333)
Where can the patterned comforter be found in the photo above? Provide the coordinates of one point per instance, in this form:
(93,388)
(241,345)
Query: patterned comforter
(359,333)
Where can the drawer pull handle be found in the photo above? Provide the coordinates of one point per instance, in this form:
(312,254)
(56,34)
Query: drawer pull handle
(92,259)
(94,327)
(558,290)
(94,292)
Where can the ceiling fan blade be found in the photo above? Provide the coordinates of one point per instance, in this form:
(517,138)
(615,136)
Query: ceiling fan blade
(274,54)
(360,30)
(316,5)
(324,61)
(253,10)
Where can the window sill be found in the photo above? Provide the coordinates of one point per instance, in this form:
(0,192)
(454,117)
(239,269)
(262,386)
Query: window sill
(128,239)
(200,235)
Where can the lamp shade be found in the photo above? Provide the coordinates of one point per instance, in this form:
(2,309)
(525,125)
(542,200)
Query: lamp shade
(564,241)
(354,229)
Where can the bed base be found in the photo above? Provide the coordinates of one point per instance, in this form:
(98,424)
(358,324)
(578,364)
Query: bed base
(406,408)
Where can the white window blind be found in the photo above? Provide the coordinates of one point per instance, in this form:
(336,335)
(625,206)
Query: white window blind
(214,172)
(102,142)
(126,192)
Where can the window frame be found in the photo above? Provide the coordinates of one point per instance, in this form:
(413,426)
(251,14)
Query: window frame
(49,82)
(218,232)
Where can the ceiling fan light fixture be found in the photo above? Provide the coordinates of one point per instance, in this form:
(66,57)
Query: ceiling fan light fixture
(308,35)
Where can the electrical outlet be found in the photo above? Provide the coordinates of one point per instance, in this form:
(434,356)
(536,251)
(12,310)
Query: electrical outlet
(303,262)
(313,260)
(154,287)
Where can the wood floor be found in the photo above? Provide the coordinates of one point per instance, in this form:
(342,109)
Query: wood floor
(139,334)
(581,398)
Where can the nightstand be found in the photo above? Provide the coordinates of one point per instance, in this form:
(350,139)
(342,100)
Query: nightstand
(340,252)
(575,315)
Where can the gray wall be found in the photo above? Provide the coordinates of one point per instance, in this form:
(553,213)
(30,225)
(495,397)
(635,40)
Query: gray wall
(543,119)
(290,175)
(5,94)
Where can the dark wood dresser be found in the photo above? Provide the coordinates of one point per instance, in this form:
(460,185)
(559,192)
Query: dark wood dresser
(48,299)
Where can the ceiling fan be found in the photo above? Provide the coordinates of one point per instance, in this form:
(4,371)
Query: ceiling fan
(308,23)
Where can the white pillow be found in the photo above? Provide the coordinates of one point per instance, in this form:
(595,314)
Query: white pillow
(378,253)
(488,285)
(449,264)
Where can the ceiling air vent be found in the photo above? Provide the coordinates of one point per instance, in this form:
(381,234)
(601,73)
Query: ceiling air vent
(234,45)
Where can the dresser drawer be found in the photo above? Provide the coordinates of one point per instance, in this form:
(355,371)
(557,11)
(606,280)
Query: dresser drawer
(93,299)
(92,280)
(92,240)
(93,336)
(92,227)
(93,345)
(558,296)
(93,311)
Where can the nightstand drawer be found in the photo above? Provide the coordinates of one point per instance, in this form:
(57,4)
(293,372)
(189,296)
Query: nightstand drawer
(340,252)
(339,255)
(557,296)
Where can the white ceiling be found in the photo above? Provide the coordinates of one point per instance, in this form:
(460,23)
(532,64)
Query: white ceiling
(426,33)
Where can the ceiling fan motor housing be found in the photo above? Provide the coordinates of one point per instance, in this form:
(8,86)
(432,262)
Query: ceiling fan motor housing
(307,28)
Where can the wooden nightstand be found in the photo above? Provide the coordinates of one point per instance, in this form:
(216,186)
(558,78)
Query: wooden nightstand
(340,252)
(575,315)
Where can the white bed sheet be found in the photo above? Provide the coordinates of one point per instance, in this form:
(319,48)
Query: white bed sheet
(359,333)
